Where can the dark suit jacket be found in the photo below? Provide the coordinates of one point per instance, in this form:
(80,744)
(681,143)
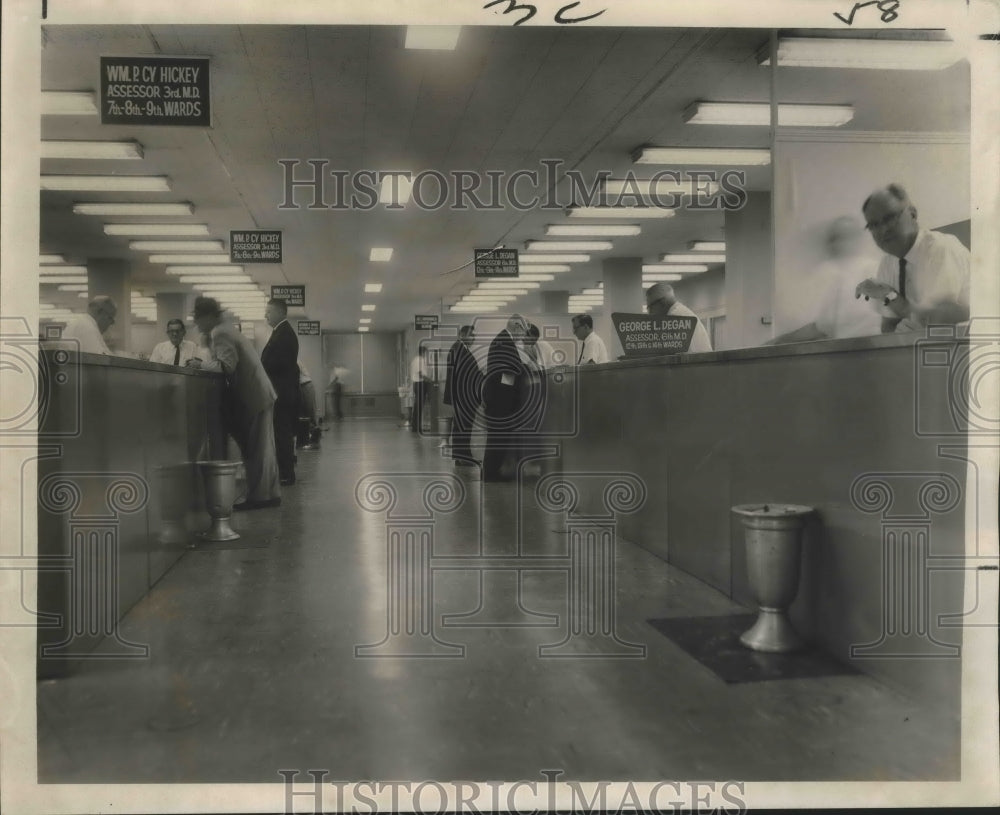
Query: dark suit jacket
(464,384)
(280,358)
(503,362)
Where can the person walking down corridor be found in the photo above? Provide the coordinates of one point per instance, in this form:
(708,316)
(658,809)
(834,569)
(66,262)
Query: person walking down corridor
(419,380)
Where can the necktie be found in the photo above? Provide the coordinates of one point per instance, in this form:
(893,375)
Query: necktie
(177,355)
(902,277)
(580,359)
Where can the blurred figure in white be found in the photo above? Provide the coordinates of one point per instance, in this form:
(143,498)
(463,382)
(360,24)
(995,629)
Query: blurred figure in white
(88,329)
(840,314)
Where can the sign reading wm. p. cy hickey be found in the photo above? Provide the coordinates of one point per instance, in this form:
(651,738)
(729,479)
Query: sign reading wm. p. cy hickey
(294,296)
(428,322)
(155,91)
(496,263)
(308,328)
(255,246)
(643,335)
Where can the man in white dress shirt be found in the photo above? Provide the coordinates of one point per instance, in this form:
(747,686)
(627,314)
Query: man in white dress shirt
(594,350)
(88,329)
(175,350)
(924,277)
(662,302)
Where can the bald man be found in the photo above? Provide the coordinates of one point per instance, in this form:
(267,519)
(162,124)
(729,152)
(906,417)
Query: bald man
(662,302)
(924,277)
(88,329)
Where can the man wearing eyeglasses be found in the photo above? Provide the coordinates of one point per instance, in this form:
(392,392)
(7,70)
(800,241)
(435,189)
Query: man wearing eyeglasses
(175,350)
(924,277)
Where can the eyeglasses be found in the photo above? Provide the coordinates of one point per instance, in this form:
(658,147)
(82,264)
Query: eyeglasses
(888,220)
(649,306)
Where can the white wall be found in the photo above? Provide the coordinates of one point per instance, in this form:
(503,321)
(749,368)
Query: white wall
(823,177)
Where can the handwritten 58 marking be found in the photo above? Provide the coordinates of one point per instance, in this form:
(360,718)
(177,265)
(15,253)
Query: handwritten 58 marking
(887,7)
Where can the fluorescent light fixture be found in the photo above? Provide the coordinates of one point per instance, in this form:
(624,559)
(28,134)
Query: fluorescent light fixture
(620,212)
(674,268)
(68,103)
(759,113)
(50,260)
(230,283)
(220,270)
(592,230)
(52,280)
(73,287)
(52,148)
(177,260)
(648,280)
(380,255)
(700,257)
(704,156)
(529,272)
(401,194)
(598,291)
(536,278)
(528,259)
(50,271)
(156,230)
(569,246)
(175,246)
(474,309)
(105,183)
(518,286)
(364,320)
(157,210)
(707,246)
(215,285)
(363,329)
(373,288)
(432,37)
(660,186)
(881,55)
(368,307)
(473,296)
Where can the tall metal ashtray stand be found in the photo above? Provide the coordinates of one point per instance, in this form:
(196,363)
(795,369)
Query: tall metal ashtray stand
(774,553)
(220,492)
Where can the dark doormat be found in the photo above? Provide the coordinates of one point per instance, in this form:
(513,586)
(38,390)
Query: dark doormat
(715,643)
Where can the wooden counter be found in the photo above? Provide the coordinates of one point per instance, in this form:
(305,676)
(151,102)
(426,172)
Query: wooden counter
(118,490)
(868,431)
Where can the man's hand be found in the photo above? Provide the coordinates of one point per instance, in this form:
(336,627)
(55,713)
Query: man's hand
(872,290)
(886,299)
(194,362)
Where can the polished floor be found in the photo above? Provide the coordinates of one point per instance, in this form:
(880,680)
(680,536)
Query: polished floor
(254,664)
